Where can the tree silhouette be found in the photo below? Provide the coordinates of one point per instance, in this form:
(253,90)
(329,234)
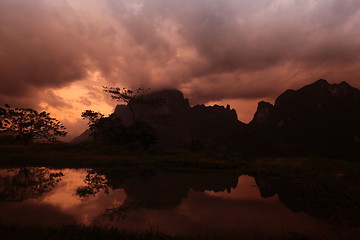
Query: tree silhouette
(92,117)
(112,131)
(139,131)
(29,125)
(137,101)
(94,184)
(128,96)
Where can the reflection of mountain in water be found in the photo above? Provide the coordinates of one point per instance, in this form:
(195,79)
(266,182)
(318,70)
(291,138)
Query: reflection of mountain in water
(168,189)
(306,194)
(148,189)
(25,183)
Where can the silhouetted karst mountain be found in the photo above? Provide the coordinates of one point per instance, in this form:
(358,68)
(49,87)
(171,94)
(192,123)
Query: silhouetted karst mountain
(85,136)
(265,115)
(324,117)
(177,123)
(174,104)
(207,121)
(320,118)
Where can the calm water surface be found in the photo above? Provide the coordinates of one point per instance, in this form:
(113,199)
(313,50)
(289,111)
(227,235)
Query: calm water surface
(170,202)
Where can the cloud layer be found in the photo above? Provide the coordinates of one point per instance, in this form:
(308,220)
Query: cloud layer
(211,49)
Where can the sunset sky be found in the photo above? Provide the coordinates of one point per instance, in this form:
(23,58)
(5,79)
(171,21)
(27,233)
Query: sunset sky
(56,55)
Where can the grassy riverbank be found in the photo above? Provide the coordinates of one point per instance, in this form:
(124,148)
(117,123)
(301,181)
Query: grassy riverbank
(80,156)
(88,155)
(92,156)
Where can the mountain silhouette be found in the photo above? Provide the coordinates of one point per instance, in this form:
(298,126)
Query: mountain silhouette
(320,118)
(176,122)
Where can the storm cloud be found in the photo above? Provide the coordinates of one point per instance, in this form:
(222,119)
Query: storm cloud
(210,49)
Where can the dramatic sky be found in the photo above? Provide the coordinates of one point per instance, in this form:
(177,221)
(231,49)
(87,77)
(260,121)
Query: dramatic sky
(56,55)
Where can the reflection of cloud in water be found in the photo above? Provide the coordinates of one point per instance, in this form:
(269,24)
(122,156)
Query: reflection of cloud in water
(64,197)
(63,194)
(58,205)
(244,215)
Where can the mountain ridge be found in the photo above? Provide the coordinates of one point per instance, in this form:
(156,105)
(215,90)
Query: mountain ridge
(319,118)
(323,117)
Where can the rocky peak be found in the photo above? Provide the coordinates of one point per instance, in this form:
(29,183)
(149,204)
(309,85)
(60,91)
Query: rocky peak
(316,116)
(318,93)
(321,83)
(264,113)
(323,87)
(181,121)
(344,84)
(171,102)
(174,99)
(215,111)
(319,102)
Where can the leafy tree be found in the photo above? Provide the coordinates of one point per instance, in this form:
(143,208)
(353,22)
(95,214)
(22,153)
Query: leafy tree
(107,130)
(29,125)
(137,101)
(92,116)
(112,131)
(128,96)
(139,131)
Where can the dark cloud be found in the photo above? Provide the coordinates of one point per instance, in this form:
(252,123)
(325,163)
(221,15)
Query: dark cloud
(210,49)
(44,45)
(243,49)
(36,51)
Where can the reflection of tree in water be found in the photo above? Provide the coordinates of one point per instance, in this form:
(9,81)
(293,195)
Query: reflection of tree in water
(94,184)
(24,183)
(155,190)
(331,201)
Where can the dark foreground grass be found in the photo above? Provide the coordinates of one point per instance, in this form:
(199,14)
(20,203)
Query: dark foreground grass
(77,232)
(93,156)
(85,156)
